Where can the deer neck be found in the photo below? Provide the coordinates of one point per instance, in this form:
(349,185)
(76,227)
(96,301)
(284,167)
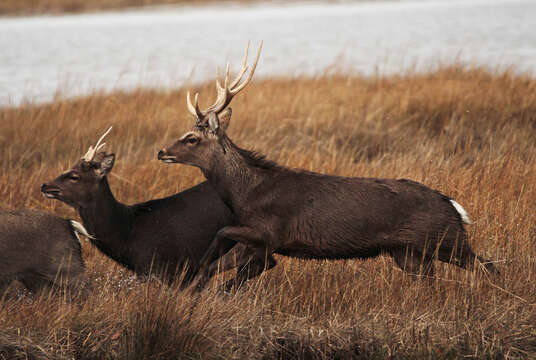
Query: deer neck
(108,221)
(232,175)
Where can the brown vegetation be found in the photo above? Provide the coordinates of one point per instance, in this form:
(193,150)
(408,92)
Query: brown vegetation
(467,132)
(26,7)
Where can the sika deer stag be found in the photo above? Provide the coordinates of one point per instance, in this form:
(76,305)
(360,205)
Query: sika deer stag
(160,236)
(314,216)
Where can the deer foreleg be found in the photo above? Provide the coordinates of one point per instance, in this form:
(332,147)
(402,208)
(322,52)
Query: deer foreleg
(250,267)
(250,262)
(225,235)
(241,254)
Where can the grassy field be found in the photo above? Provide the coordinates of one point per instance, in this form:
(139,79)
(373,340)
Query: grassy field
(469,133)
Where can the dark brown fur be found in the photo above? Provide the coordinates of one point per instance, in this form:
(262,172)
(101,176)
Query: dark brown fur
(315,216)
(38,249)
(163,236)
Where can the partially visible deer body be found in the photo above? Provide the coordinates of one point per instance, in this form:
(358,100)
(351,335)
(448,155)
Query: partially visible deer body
(39,250)
(314,216)
(163,236)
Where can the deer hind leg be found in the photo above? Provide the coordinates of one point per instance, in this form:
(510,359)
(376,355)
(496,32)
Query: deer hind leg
(464,257)
(413,262)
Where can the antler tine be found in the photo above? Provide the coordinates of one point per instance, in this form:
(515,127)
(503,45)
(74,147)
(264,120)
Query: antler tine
(194,109)
(98,145)
(191,108)
(196,104)
(221,99)
(250,76)
(227,91)
(222,93)
(227,74)
(243,69)
(218,85)
(90,154)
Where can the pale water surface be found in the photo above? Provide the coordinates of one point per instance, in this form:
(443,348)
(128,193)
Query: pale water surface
(175,46)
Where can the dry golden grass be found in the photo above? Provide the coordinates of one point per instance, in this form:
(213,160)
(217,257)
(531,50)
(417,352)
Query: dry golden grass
(470,133)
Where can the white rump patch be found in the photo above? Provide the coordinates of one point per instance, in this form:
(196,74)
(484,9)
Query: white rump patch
(461,211)
(80,229)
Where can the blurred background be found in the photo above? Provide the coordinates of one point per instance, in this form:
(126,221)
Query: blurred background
(58,48)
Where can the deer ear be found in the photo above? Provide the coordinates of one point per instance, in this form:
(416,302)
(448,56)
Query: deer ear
(225,118)
(106,165)
(213,122)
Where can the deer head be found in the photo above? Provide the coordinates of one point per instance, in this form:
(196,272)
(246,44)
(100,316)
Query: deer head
(198,146)
(78,185)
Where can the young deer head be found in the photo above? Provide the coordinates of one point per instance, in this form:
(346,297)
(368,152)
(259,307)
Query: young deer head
(78,186)
(205,143)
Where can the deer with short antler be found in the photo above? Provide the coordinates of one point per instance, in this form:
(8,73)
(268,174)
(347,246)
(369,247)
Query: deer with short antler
(314,216)
(163,236)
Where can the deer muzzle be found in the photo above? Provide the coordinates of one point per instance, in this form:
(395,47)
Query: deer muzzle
(49,191)
(165,157)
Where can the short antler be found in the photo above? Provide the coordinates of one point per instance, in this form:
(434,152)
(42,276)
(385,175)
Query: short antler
(93,150)
(227,91)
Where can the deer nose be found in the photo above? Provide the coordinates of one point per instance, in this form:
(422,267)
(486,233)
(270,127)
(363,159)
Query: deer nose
(161,153)
(43,187)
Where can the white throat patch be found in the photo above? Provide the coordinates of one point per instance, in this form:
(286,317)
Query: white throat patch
(80,229)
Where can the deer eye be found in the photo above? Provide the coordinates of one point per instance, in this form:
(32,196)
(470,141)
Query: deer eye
(73,177)
(191,140)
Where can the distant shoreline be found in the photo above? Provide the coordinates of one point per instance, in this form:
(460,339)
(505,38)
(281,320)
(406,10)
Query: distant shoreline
(57,7)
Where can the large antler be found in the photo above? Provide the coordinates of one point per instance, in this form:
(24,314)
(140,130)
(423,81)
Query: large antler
(93,150)
(227,91)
